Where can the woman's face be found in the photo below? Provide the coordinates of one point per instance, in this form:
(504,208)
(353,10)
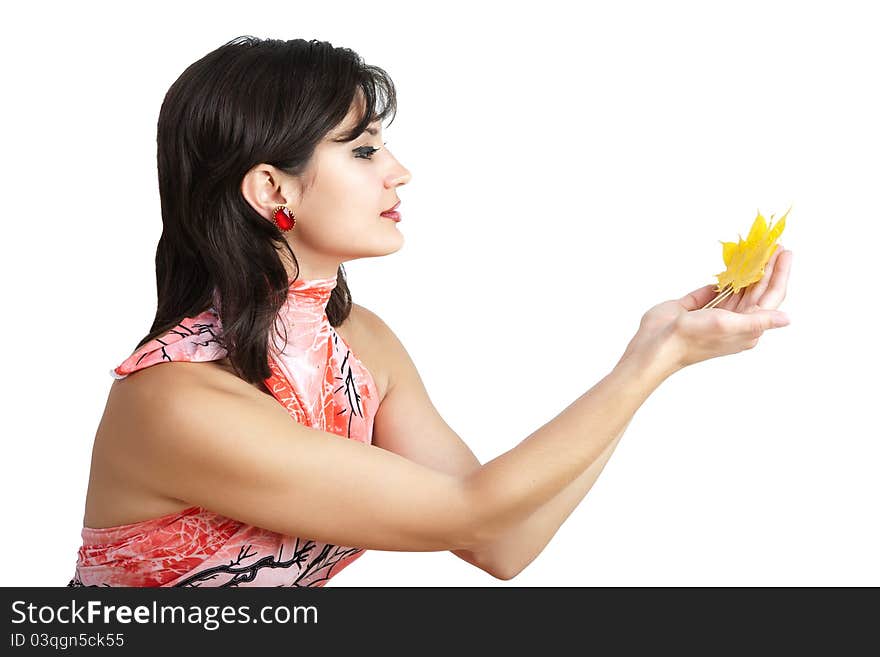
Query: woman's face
(337,202)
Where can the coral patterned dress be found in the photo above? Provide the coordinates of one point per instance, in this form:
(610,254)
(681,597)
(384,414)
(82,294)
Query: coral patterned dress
(322,384)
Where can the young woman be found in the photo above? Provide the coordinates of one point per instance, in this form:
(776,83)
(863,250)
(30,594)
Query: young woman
(268,430)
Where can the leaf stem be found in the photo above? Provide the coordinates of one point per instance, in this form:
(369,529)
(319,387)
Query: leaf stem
(726,292)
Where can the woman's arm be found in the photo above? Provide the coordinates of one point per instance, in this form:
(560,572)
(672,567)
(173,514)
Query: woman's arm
(734,326)
(517,489)
(407,423)
(507,556)
(240,455)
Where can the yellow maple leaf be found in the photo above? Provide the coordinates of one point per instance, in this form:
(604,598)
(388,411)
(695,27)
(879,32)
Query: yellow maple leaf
(746,260)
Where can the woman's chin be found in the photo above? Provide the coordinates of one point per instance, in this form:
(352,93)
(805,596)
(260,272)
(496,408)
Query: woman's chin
(393,243)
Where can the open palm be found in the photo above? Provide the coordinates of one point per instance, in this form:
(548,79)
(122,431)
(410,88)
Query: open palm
(729,327)
(767,293)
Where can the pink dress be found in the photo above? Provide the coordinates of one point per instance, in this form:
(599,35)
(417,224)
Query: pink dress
(322,384)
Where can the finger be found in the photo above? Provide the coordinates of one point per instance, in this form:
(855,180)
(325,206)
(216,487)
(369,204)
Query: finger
(755,323)
(775,292)
(756,291)
(699,297)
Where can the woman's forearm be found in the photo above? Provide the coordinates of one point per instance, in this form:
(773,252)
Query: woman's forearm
(509,489)
(508,555)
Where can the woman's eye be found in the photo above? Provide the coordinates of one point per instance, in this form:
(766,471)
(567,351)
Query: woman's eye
(366,152)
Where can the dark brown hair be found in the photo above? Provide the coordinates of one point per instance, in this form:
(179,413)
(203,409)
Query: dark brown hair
(250,101)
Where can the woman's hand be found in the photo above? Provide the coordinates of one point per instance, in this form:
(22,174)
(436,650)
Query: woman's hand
(680,332)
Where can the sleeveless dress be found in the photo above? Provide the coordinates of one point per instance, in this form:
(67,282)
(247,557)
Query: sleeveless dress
(320,383)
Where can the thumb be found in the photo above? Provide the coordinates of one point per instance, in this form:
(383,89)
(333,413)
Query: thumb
(699,297)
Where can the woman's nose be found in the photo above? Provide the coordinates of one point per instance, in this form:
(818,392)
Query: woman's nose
(401,177)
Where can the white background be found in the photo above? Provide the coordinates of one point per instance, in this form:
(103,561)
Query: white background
(572,166)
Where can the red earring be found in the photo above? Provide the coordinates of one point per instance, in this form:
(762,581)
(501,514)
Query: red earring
(283,218)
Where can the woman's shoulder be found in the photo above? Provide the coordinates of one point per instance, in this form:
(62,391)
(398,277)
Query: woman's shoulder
(145,410)
(139,402)
(154,385)
(120,491)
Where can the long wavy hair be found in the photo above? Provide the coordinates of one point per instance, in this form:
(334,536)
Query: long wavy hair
(250,101)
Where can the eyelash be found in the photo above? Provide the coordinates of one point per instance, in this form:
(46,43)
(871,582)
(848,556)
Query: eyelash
(366,152)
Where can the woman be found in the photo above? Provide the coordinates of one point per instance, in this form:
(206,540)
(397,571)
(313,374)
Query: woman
(272,174)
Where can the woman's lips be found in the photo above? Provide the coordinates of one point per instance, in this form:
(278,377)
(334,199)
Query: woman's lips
(392,213)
